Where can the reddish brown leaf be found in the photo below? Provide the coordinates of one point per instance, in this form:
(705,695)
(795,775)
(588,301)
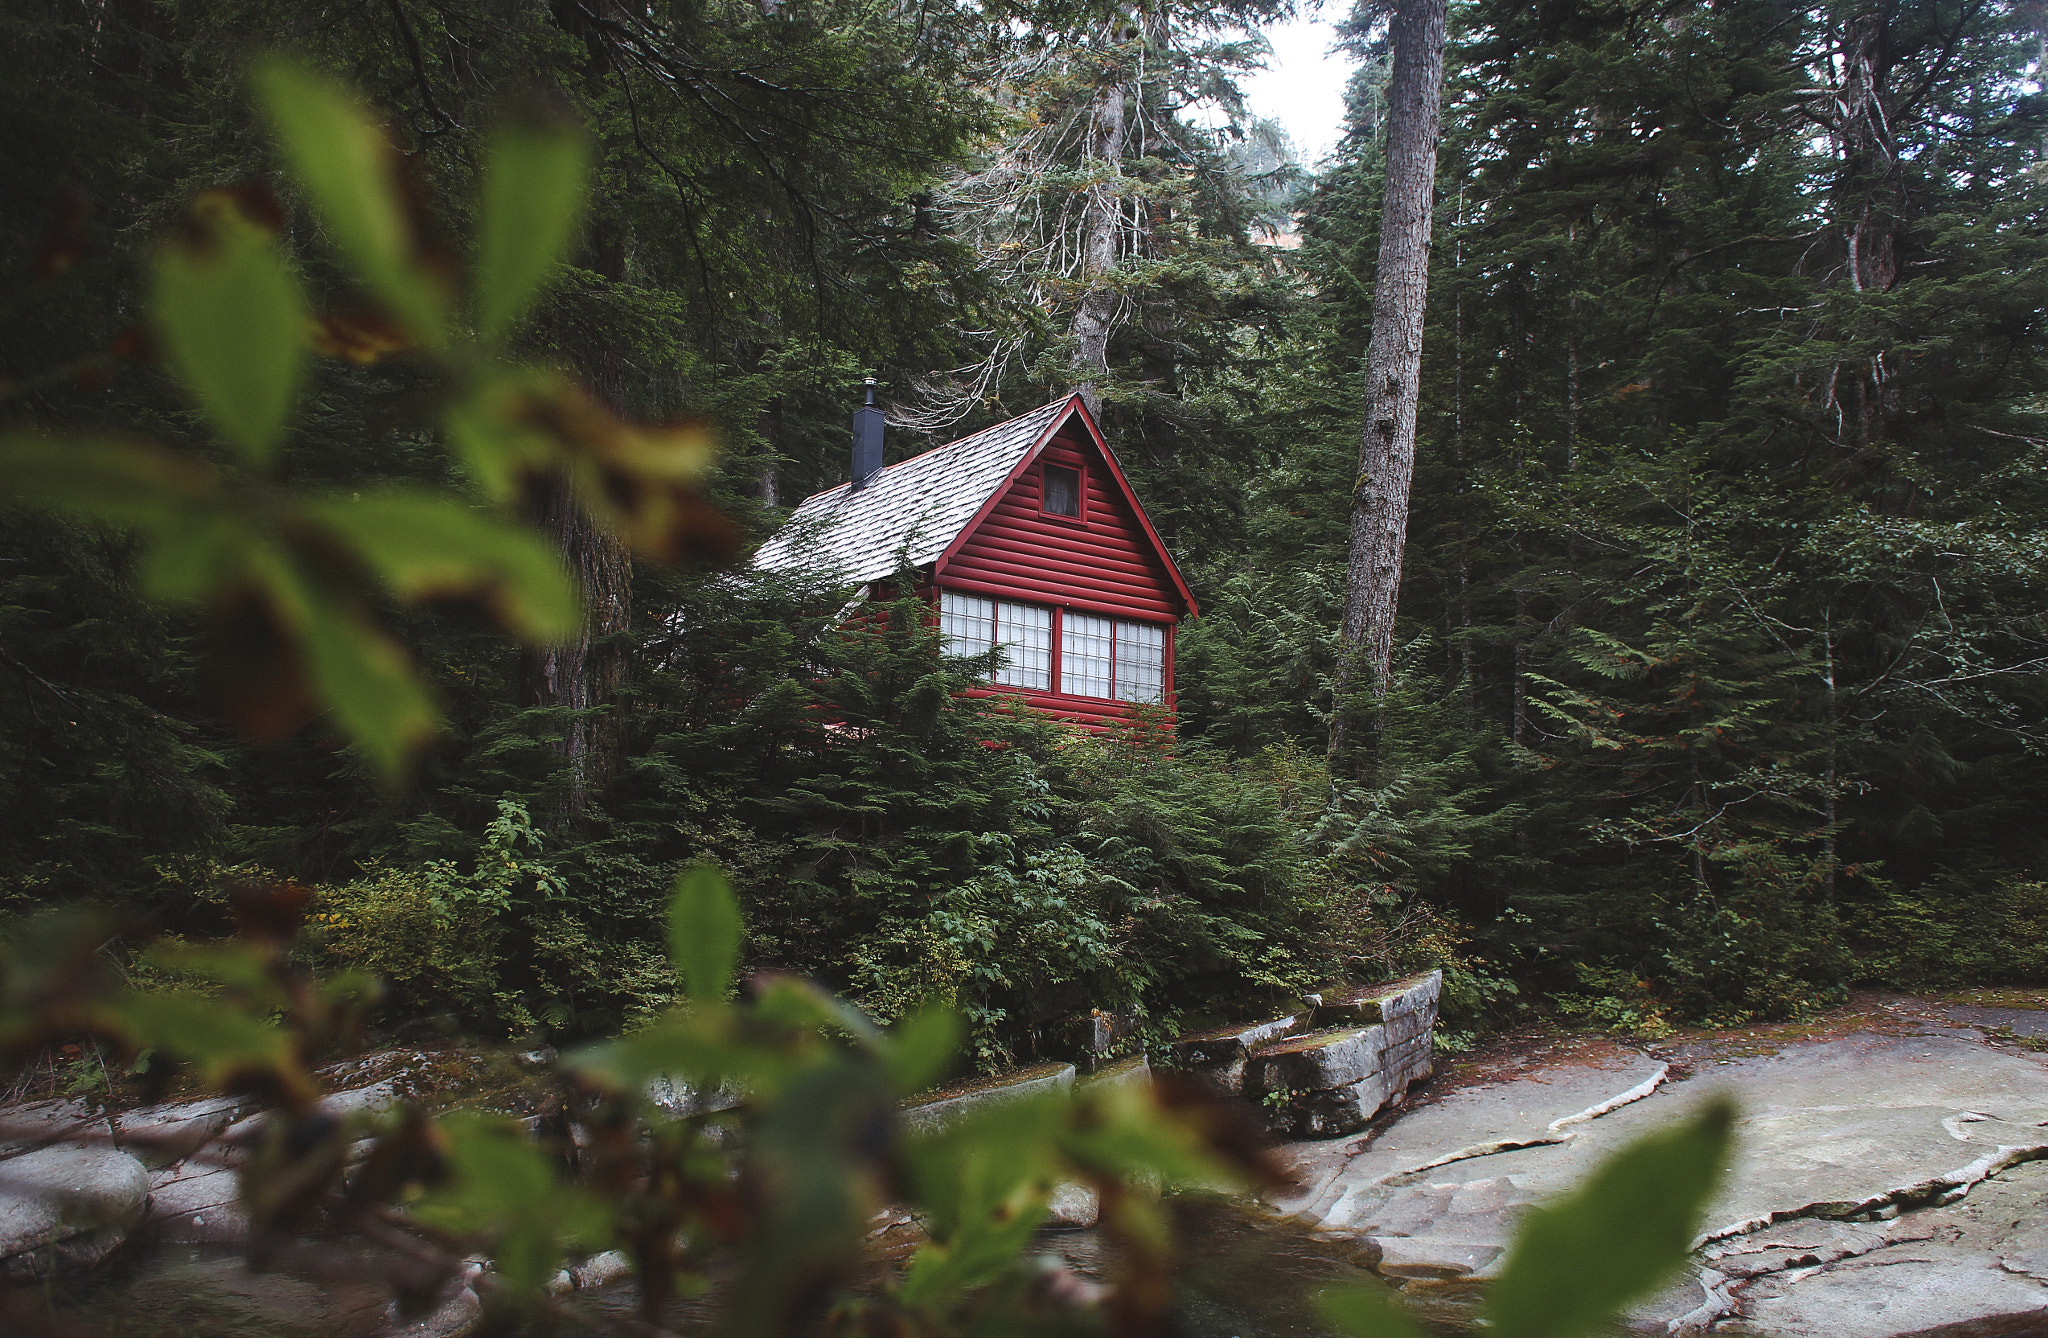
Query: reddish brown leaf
(253,676)
(267,911)
(361,335)
(133,344)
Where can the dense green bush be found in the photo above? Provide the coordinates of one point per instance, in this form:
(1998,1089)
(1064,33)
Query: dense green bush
(1983,930)
(890,836)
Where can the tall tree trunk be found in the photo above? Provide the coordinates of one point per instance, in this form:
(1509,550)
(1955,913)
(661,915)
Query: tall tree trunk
(1871,196)
(1102,224)
(584,673)
(1386,462)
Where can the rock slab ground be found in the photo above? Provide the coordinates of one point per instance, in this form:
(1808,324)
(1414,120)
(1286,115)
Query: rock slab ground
(1888,1182)
(67,1207)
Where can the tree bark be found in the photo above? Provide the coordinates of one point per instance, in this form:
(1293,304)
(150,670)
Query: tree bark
(1101,234)
(1386,463)
(584,673)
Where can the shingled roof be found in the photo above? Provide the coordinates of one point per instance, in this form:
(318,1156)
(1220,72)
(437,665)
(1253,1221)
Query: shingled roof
(910,511)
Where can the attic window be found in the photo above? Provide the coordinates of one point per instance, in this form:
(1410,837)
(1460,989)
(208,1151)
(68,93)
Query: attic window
(1062,491)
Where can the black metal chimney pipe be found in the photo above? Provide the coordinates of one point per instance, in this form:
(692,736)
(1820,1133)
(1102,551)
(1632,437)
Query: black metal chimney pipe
(867,440)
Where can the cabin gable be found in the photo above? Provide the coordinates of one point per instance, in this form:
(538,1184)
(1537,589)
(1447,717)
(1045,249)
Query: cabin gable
(1101,560)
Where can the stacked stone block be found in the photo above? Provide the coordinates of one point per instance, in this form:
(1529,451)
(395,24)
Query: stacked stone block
(1405,1008)
(1321,1084)
(1216,1059)
(1325,1072)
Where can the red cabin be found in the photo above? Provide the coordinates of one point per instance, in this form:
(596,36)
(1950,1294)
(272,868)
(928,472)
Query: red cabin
(1028,537)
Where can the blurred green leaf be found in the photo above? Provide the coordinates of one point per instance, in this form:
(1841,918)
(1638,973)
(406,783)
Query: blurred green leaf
(233,322)
(1122,1131)
(815,1153)
(534,181)
(799,1004)
(955,1180)
(352,989)
(233,963)
(134,485)
(1367,1310)
(704,934)
(504,1191)
(693,1046)
(363,675)
(922,1047)
(492,430)
(194,561)
(346,164)
(423,544)
(982,1245)
(1576,1262)
(217,1038)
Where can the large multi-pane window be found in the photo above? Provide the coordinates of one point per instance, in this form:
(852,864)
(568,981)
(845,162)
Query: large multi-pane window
(1024,631)
(1107,657)
(1099,657)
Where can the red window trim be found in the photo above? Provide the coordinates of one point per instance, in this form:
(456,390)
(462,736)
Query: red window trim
(1080,516)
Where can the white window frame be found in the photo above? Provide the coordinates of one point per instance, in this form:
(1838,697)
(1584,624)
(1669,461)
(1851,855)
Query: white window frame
(1016,671)
(1126,637)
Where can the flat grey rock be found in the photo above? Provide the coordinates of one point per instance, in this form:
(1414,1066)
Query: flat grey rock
(162,1135)
(1368,1004)
(66,1207)
(1433,1257)
(1920,1288)
(2031,1022)
(1073,1208)
(196,1204)
(939,1111)
(1229,1046)
(679,1098)
(1132,1072)
(41,1123)
(1924,1139)
(371,1100)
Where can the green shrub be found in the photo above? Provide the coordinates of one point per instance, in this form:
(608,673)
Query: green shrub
(1961,930)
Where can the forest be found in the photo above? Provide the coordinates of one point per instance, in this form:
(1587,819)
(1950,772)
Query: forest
(1718,679)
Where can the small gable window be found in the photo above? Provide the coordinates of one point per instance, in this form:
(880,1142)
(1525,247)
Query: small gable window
(1062,491)
(1024,631)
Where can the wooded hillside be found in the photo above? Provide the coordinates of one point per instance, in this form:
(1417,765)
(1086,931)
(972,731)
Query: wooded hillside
(1721,675)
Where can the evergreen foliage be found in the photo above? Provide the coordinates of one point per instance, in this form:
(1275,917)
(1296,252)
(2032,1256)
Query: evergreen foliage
(1720,675)
(1684,466)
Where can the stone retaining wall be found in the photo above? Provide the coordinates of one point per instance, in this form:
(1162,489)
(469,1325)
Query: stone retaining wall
(1324,1072)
